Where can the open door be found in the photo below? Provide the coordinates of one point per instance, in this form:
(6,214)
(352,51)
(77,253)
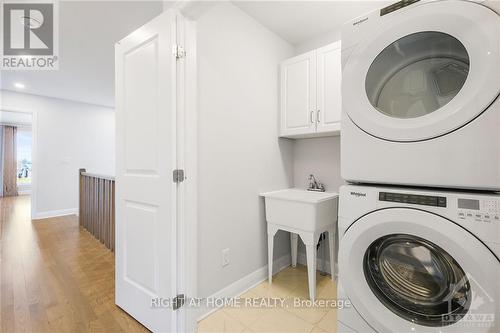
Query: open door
(146,156)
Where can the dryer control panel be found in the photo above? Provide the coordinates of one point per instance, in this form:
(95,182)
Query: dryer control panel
(479,210)
(414,199)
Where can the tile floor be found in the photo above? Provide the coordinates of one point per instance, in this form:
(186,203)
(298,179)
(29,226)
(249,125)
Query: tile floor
(291,285)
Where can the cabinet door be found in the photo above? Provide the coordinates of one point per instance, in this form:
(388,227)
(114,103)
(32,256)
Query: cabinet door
(329,88)
(298,95)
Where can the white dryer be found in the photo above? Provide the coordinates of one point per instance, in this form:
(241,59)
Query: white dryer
(418,260)
(420,95)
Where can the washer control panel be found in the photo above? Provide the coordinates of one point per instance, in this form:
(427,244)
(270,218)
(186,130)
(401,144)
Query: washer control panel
(479,210)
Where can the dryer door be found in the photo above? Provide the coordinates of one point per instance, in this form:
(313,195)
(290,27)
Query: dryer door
(408,270)
(427,70)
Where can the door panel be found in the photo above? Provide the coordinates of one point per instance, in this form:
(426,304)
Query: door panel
(140,108)
(298,95)
(411,81)
(140,260)
(145,158)
(329,88)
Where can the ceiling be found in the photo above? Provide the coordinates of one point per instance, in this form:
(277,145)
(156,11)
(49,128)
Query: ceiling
(299,21)
(88,31)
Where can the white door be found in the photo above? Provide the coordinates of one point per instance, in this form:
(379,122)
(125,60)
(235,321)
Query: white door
(145,159)
(329,88)
(426,71)
(298,95)
(407,270)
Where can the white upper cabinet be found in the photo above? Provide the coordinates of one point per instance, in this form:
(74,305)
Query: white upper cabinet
(298,95)
(310,93)
(329,88)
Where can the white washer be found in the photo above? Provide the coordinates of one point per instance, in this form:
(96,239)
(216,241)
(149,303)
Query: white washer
(418,260)
(420,95)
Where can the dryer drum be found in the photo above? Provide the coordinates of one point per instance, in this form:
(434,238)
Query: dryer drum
(417,280)
(417,74)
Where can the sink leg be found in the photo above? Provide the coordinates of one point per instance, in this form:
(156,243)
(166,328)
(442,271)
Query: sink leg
(332,245)
(311,269)
(270,247)
(294,242)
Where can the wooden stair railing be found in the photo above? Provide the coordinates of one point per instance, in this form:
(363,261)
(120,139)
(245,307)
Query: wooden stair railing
(97,207)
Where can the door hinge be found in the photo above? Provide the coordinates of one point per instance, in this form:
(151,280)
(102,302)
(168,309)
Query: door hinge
(178,301)
(178,176)
(178,51)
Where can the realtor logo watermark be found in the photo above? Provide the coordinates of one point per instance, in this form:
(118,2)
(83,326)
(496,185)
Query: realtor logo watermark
(29,36)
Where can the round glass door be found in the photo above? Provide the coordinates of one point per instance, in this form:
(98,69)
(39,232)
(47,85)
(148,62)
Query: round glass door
(417,280)
(417,74)
(423,74)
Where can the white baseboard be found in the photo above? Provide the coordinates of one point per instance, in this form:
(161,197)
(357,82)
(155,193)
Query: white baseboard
(55,213)
(244,284)
(321,264)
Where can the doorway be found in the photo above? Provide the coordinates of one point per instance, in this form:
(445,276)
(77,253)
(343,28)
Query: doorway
(24,161)
(17,146)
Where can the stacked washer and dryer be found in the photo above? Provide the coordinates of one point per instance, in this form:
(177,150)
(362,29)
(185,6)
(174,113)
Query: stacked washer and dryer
(419,222)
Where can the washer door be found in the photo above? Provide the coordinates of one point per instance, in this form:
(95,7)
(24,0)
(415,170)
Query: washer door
(406,270)
(429,70)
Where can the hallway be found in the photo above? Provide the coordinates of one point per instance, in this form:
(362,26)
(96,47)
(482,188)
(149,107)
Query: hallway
(55,277)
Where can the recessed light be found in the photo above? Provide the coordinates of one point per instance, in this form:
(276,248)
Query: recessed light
(19,85)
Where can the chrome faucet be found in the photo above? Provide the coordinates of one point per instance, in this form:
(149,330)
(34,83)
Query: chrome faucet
(314,185)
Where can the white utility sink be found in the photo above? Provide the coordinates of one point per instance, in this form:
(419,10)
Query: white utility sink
(301,209)
(306,214)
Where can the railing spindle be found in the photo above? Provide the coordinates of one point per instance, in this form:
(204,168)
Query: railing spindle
(97,208)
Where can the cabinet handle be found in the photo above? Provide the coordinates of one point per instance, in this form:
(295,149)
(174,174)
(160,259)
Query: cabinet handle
(312,117)
(317,116)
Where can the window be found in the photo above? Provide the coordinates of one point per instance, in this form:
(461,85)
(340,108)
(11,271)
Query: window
(23,157)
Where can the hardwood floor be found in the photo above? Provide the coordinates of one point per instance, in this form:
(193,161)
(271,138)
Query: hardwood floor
(55,277)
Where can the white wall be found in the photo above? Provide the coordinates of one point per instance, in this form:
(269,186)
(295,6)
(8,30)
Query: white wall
(319,156)
(15,118)
(69,136)
(318,41)
(240,154)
